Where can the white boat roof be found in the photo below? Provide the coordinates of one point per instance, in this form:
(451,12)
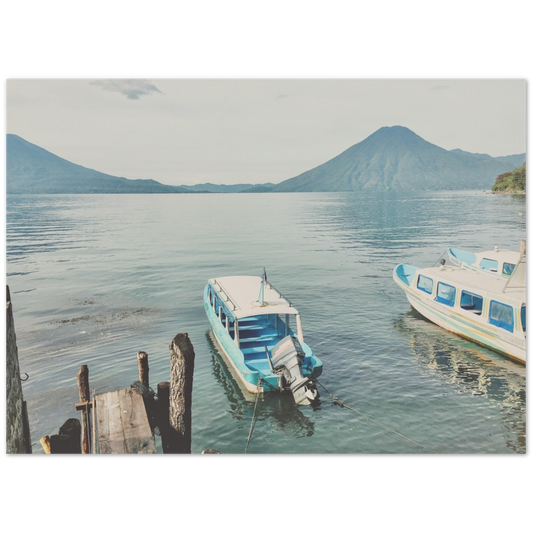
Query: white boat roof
(478,280)
(242,292)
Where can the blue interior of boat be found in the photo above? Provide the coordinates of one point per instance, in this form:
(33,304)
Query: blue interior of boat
(405,272)
(471,302)
(501,315)
(463,255)
(255,333)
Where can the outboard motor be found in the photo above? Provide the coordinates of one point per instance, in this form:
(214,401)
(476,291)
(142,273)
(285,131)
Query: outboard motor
(287,360)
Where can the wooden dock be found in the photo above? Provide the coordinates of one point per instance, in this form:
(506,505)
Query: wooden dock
(122,423)
(125,421)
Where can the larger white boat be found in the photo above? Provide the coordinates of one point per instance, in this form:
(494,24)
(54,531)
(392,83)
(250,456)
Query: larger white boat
(260,334)
(489,310)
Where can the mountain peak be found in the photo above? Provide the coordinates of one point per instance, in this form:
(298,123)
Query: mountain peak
(394,157)
(395,133)
(395,130)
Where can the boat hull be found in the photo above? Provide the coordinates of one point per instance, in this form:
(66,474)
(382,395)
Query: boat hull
(467,325)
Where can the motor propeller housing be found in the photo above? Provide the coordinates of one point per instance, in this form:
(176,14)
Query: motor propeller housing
(287,359)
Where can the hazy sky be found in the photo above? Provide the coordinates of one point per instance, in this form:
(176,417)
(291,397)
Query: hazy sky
(187,131)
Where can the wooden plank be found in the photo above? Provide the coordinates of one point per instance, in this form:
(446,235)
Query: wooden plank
(123,425)
(116,431)
(110,432)
(138,436)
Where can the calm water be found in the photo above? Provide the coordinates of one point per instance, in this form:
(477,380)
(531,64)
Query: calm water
(96,278)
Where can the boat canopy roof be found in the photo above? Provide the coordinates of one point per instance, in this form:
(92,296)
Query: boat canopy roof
(241,293)
(510,288)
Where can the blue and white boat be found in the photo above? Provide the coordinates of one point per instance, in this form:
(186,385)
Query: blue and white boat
(260,335)
(496,261)
(487,309)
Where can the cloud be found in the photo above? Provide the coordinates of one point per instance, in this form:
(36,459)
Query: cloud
(131,89)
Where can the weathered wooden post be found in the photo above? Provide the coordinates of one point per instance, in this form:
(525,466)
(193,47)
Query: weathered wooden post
(163,417)
(180,400)
(522,247)
(66,441)
(68,438)
(83,388)
(142,363)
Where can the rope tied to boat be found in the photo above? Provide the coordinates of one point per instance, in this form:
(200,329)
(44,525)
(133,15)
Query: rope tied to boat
(252,424)
(441,256)
(337,401)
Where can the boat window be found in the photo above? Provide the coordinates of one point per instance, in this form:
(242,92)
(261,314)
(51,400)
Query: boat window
(471,302)
(523,318)
(425,284)
(501,315)
(445,294)
(508,268)
(489,264)
(285,324)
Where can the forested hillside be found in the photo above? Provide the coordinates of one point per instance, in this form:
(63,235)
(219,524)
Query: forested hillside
(511,182)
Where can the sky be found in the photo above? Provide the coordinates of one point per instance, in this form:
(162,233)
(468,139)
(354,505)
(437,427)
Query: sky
(254,130)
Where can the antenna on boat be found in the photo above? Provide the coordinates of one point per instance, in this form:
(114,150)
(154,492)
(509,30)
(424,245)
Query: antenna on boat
(261,298)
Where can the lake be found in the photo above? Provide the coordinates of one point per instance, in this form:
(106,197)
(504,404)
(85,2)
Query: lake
(96,278)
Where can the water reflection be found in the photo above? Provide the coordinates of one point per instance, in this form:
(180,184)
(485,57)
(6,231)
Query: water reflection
(401,222)
(472,370)
(278,409)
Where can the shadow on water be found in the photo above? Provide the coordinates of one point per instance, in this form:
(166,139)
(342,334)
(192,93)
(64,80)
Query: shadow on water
(276,408)
(472,369)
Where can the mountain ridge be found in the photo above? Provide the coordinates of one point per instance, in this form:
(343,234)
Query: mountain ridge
(31,169)
(392,158)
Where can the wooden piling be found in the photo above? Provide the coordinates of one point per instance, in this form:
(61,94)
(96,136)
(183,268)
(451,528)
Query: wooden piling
(180,399)
(522,247)
(68,438)
(142,364)
(163,417)
(83,389)
(66,441)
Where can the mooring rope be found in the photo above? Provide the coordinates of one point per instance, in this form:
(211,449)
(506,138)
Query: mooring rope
(441,255)
(338,402)
(253,417)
